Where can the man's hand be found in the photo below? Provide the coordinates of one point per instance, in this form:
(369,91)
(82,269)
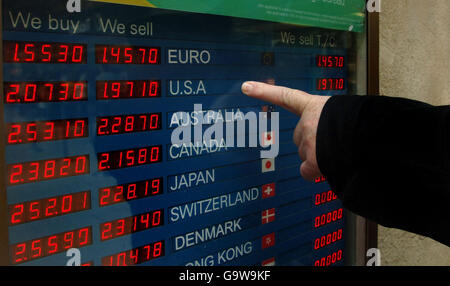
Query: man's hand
(308,107)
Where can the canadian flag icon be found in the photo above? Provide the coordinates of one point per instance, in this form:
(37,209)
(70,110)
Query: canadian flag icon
(268,240)
(267,139)
(268,216)
(268,165)
(268,190)
(269,262)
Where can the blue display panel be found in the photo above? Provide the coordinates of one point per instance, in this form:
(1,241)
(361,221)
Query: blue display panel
(90,102)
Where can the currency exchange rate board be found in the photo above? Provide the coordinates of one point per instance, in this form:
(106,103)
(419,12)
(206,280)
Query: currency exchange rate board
(90,102)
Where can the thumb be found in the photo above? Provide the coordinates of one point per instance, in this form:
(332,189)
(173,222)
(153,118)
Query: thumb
(290,99)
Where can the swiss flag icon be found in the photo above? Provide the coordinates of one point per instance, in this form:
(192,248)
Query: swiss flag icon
(268,216)
(268,165)
(268,240)
(268,190)
(267,139)
(269,262)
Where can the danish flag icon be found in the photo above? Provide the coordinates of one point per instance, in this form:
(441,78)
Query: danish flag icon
(269,262)
(268,240)
(268,190)
(268,216)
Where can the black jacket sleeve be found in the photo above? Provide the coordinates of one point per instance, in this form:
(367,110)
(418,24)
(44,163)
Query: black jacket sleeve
(388,159)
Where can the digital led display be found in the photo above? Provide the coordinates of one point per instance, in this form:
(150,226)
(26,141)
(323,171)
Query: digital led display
(49,207)
(32,92)
(131,191)
(135,256)
(124,226)
(92,103)
(42,170)
(128,123)
(127,55)
(129,158)
(40,131)
(128,89)
(330,84)
(49,245)
(44,52)
(328,218)
(325,61)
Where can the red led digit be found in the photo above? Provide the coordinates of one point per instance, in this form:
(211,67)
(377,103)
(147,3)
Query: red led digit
(66,205)
(64,49)
(118,194)
(105,230)
(49,169)
(46,54)
(155,155)
(104,194)
(156,219)
(120,230)
(34,210)
(129,158)
(115,52)
(130,86)
(77,54)
(51,205)
(80,165)
(157,249)
(116,124)
(52,243)
(28,51)
(10,95)
(129,123)
(155,186)
(15,174)
(68,240)
(134,256)
(84,237)
(16,53)
(14,131)
(103,162)
(36,250)
(131,192)
(128,55)
(16,214)
(30,93)
(142,52)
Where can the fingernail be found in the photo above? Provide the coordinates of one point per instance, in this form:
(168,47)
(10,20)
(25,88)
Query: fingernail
(247,87)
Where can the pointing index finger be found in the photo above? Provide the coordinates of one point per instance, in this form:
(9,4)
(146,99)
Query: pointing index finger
(290,99)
